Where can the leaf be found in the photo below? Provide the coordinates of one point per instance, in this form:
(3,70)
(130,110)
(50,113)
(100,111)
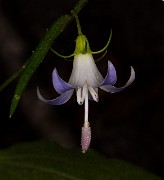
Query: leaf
(40,53)
(45,160)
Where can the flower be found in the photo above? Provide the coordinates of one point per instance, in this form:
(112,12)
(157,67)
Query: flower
(85,79)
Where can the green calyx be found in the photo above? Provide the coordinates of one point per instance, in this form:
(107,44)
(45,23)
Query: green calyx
(82,44)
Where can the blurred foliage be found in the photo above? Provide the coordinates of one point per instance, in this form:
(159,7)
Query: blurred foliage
(45,160)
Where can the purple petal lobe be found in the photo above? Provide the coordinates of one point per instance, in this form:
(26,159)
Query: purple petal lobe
(112,89)
(60,85)
(63,98)
(111,76)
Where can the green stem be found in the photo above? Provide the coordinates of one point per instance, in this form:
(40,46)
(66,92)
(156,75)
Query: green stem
(77,22)
(12,77)
(40,53)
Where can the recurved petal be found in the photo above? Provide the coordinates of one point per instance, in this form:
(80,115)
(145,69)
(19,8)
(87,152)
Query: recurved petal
(112,89)
(111,76)
(60,85)
(63,98)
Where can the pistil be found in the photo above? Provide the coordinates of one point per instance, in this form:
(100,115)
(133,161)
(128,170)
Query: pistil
(85,97)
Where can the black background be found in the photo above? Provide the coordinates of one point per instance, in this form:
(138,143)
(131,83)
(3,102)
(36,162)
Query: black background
(128,125)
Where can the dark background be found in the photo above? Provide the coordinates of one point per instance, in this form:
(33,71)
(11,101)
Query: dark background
(128,125)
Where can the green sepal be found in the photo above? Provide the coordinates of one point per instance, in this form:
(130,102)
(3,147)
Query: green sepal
(106,46)
(82,45)
(101,56)
(62,56)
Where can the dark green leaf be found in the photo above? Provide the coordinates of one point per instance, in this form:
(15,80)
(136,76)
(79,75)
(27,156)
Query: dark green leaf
(45,161)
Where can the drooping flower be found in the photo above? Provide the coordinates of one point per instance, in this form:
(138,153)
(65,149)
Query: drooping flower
(85,79)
